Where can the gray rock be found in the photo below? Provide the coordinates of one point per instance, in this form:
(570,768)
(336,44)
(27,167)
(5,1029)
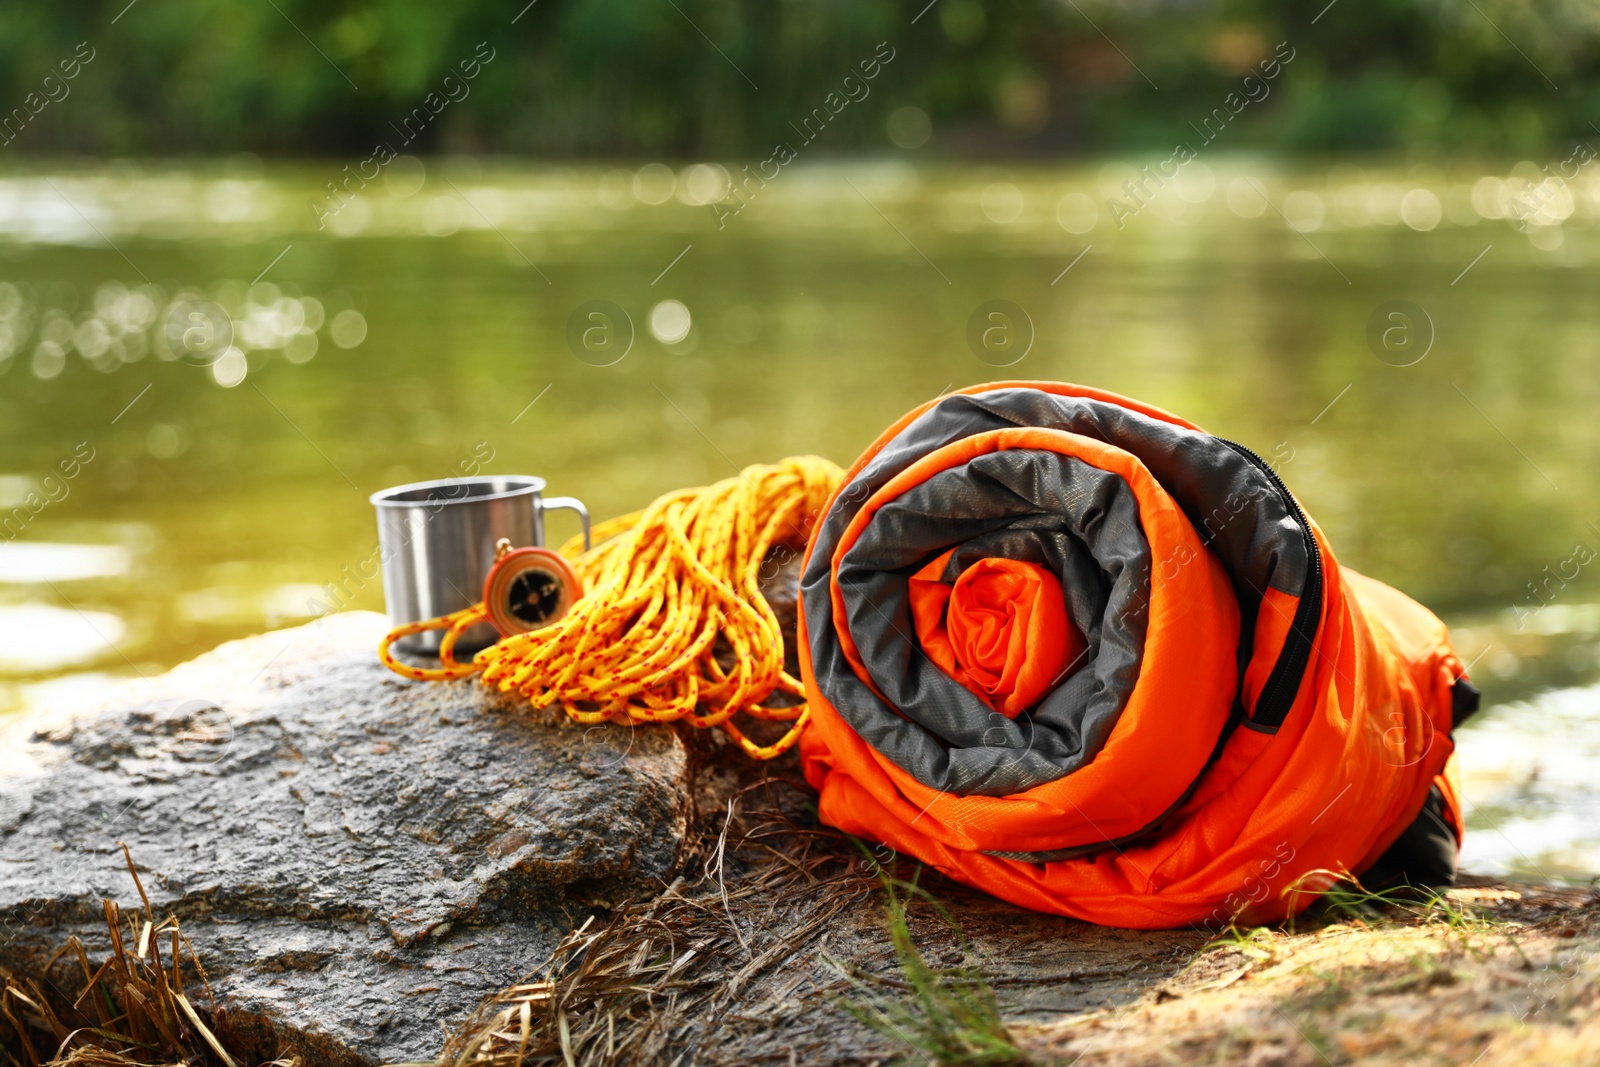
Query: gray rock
(356,858)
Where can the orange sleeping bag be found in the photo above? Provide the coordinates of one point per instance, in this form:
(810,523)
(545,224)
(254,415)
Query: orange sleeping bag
(1075,651)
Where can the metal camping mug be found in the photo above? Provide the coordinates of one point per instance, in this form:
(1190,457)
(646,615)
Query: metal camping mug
(436,541)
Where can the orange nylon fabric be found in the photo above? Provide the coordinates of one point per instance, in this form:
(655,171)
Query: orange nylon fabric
(1350,767)
(1188,661)
(1000,629)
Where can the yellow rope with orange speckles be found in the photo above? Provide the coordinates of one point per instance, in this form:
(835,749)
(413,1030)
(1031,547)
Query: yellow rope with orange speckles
(660,586)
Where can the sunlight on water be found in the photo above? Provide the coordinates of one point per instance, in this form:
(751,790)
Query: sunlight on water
(1530,774)
(41,561)
(439,198)
(39,637)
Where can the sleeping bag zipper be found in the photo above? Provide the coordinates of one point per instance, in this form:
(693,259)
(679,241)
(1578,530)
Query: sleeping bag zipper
(1277,695)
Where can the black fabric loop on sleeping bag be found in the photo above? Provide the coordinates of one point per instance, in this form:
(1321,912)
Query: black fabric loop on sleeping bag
(1075,519)
(1233,503)
(1464,701)
(1425,854)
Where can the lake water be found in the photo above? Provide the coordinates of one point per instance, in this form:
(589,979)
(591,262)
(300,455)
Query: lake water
(1447,444)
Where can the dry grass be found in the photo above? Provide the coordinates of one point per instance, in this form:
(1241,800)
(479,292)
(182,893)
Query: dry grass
(665,981)
(134,1010)
(658,976)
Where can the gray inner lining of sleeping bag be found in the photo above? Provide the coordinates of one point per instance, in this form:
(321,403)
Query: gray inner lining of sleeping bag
(1230,501)
(1080,522)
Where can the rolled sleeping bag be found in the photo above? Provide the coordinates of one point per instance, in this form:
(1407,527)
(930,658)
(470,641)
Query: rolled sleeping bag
(1077,652)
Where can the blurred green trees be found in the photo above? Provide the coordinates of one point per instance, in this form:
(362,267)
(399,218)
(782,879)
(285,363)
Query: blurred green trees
(725,78)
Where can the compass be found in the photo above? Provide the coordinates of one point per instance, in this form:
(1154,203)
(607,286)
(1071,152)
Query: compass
(528,588)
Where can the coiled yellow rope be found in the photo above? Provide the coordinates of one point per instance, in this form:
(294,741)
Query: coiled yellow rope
(660,586)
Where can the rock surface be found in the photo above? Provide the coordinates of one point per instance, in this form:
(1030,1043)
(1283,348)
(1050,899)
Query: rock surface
(356,858)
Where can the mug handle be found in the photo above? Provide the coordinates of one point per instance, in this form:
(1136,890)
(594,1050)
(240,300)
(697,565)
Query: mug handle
(570,503)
